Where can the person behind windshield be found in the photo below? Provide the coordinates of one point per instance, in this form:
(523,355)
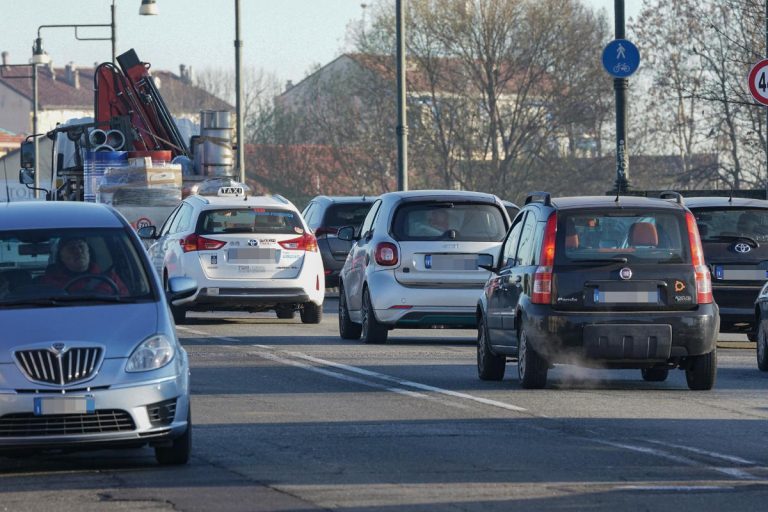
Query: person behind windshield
(75,272)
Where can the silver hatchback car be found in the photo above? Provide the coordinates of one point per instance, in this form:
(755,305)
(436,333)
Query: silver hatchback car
(415,262)
(89,356)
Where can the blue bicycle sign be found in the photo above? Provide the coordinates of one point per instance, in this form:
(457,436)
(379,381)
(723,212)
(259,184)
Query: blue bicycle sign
(621,58)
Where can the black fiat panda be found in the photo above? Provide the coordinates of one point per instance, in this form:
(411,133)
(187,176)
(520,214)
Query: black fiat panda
(604,282)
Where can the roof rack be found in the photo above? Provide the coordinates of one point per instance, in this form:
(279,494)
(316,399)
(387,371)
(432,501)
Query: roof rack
(671,194)
(539,197)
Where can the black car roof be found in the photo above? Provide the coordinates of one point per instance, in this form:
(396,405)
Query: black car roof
(345,199)
(724,202)
(576,202)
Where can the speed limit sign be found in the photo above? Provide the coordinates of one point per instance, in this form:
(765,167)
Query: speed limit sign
(758,81)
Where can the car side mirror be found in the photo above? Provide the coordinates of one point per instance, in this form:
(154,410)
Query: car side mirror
(485,261)
(27,154)
(147,232)
(27,176)
(180,288)
(346,233)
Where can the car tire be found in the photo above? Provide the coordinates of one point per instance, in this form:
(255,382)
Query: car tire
(179,313)
(372,330)
(311,313)
(752,336)
(178,452)
(285,314)
(531,367)
(701,372)
(655,374)
(348,330)
(762,347)
(490,366)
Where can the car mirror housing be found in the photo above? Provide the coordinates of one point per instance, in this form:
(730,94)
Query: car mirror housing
(346,233)
(485,261)
(147,232)
(180,288)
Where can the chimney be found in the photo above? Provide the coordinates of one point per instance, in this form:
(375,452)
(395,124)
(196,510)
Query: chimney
(288,85)
(5,58)
(52,71)
(186,73)
(72,75)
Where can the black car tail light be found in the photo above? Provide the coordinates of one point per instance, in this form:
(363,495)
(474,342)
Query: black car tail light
(700,270)
(542,278)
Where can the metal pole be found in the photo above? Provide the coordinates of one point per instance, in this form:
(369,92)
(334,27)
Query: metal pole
(766,108)
(402,120)
(34,130)
(239,94)
(114,33)
(620,86)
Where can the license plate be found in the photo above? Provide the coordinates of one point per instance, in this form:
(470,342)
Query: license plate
(64,405)
(735,274)
(254,254)
(450,262)
(626,297)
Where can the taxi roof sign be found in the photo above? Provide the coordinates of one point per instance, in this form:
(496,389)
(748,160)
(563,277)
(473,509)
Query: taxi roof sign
(222,187)
(231,191)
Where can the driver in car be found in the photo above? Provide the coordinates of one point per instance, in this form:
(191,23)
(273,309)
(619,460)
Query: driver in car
(75,272)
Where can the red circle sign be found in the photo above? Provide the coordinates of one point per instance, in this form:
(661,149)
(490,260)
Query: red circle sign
(758,81)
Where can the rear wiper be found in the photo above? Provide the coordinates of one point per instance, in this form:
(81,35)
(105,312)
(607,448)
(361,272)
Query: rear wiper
(95,298)
(751,241)
(605,261)
(67,299)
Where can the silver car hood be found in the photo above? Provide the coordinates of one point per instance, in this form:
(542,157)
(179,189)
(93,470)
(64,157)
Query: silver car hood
(119,327)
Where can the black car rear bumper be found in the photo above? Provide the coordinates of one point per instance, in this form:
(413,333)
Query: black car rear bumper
(737,308)
(621,339)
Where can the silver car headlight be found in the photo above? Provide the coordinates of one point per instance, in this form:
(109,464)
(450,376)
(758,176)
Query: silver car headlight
(153,353)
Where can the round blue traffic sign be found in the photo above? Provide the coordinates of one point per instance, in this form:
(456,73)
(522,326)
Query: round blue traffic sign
(621,58)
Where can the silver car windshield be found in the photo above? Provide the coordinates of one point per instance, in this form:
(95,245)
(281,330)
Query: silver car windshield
(70,266)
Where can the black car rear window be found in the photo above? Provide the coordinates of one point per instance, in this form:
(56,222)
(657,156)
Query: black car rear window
(640,236)
(348,214)
(468,222)
(726,224)
(249,220)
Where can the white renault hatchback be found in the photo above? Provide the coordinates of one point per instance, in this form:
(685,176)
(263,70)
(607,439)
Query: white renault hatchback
(247,253)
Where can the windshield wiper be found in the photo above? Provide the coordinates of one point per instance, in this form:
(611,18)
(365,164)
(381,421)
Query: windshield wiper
(605,261)
(67,299)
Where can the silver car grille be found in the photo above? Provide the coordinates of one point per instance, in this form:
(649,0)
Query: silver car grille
(50,367)
(101,421)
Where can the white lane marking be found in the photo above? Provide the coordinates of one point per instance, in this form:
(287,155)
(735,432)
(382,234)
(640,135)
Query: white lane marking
(409,383)
(675,488)
(192,331)
(732,472)
(714,455)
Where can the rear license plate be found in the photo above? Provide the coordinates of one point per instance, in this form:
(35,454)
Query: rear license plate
(740,274)
(254,254)
(450,262)
(64,405)
(626,297)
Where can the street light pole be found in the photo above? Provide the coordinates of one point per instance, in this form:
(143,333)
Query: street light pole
(402,120)
(239,96)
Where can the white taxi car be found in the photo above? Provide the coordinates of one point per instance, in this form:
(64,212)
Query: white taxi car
(247,253)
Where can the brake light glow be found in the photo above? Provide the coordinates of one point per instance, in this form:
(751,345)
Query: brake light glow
(542,278)
(700,269)
(306,242)
(386,254)
(195,242)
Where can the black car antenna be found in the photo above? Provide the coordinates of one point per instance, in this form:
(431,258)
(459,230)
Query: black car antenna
(730,196)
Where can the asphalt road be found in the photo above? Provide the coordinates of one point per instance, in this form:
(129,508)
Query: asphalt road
(290,417)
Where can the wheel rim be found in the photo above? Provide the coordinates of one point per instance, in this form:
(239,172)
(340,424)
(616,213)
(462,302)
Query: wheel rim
(521,355)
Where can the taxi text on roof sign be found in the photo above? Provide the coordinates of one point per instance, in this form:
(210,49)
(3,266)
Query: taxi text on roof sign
(231,191)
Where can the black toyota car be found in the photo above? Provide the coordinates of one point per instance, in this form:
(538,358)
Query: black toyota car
(734,234)
(604,282)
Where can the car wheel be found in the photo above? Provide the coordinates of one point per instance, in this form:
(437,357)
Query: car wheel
(531,367)
(285,313)
(348,330)
(655,374)
(179,312)
(702,371)
(489,365)
(372,330)
(181,447)
(311,313)
(762,347)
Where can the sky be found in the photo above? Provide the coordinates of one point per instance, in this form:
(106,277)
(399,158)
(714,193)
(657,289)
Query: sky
(285,38)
